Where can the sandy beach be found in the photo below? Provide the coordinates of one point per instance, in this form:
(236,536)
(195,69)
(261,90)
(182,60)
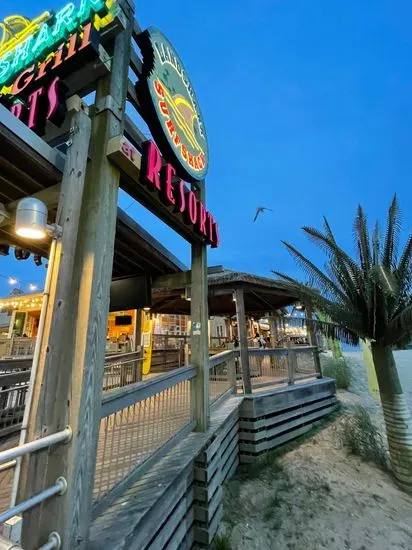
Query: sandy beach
(317,496)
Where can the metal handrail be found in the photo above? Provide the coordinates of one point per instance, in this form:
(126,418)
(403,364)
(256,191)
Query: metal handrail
(59,488)
(220,358)
(32,446)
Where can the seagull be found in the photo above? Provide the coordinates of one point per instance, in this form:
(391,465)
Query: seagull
(259,210)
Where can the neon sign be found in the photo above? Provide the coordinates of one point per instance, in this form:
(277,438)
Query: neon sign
(45,38)
(160,177)
(45,57)
(171,108)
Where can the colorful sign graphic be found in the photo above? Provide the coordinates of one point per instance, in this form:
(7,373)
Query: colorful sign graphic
(35,57)
(147,343)
(173,113)
(159,178)
(370,369)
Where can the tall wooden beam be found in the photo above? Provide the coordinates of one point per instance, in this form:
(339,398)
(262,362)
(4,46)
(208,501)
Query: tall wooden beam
(241,327)
(74,350)
(199,341)
(310,326)
(274,336)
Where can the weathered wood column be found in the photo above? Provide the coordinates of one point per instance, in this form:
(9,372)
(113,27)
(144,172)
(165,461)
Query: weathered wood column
(273,330)
(241,326)
(310,326)
(199,341)
(69,386)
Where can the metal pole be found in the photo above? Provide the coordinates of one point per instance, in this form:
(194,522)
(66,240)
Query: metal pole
(21,450)
(58,489)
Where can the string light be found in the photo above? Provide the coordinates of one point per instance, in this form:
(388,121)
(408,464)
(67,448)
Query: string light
(33,287)
(12,281)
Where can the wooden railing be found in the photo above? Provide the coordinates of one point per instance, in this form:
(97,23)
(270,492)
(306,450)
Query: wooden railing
(277,366)
(222,376)
(139,423)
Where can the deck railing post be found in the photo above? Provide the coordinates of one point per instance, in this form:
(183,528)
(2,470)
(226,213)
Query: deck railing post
(292,364)
(241,326)
(199,342)
(318,365)
(231,372)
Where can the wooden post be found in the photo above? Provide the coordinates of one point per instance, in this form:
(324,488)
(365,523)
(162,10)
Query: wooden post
(292,364)
(273,331)
(241,326)
(69,386)
(310,326)
(231,372)
(318,365)
(199,342)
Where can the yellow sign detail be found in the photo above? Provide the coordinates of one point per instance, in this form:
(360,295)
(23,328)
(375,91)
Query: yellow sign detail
(16,28)
(370,370)
(147,343)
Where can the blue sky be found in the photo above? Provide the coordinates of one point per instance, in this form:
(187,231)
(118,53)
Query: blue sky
(308,109)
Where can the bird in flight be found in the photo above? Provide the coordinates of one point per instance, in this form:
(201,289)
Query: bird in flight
(260,210)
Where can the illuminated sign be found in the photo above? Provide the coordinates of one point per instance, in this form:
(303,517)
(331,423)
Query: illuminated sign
(38,55)
(47,37)
(170,107)
(158,178)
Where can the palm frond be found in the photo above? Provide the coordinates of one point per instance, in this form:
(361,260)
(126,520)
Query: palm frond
(362,239)
(399,328)
(375,245)
(317,277)
(392,235)
(404,270)
(336,332)
(347,272)
(384,279)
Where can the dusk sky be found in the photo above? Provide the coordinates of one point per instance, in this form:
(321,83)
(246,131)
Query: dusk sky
(308,110)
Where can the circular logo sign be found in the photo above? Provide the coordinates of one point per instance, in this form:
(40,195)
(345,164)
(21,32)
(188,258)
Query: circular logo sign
(170,107)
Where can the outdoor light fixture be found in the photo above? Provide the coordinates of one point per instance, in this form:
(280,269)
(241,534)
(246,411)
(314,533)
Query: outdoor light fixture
(37,259)
(12,281)
(31,220)
(146,309)
(33,287)
(21,254)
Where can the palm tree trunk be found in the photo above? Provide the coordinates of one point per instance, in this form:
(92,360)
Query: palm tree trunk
(398,419)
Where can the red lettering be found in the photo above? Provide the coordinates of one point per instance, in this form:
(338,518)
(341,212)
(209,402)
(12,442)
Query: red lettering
(34,104)
(72,46)
(42,68)
(190,159)
(163,107)
(17,110)
(176,139)
(151,164)
(191,207)
(159,88)
(170,127)
(181,197)
(216,237)
(58,57)
(167,172)
(125,149)
(201,219)
(86,37)
(23,80)
(184,152)
(57,102)
(210,222)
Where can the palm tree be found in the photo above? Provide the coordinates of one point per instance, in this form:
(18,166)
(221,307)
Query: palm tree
(369,297)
